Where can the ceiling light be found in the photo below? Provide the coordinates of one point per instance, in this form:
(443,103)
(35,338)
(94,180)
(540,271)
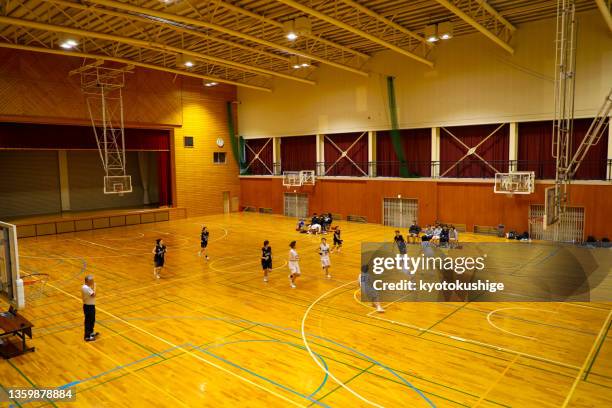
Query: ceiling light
(188,64)
(210,84)
(445,30)
(305,64)
(431,33)
(68,44)
(297,66)
(291,36)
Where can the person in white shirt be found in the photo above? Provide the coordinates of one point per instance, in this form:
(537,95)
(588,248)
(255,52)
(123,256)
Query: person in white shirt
(436,234)
(325,262)
(88,293)
(294,265)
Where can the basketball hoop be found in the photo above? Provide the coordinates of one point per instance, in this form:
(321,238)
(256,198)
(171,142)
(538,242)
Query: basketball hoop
(34,285)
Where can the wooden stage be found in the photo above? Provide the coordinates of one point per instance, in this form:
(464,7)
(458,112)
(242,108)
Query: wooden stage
(211,334)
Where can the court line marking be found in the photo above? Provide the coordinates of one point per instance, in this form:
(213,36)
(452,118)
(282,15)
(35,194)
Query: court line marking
(342,384)
(599,337)
(507,368)
(197,356)
(492,312)
(476,342)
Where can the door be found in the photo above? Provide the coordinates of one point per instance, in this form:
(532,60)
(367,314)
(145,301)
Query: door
(400,212)
(226,202)
(569,228)
(296,205)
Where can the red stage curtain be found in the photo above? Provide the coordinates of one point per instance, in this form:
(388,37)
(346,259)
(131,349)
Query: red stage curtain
(265,155)
(535,151)
(494,150)
(417,151)
(298,153)
(163,178)
(37,136)
(358,153)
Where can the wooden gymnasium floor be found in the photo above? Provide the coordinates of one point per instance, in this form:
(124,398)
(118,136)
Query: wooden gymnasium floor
(213,334)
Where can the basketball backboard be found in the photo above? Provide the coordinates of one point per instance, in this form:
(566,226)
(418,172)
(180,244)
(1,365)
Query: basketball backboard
(11,286)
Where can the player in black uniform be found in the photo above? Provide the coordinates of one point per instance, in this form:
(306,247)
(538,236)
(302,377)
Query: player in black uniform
(337,240)
(159,257)
(203,242)
(266,259)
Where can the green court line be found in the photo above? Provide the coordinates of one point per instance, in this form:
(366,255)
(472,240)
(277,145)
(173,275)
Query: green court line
(601,343)
(412,335)
(150,350)
(345,382)
(27,379)
(14,401)
(442,319)
(362,359)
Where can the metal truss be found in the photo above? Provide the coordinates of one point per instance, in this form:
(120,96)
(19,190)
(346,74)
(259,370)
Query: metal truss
(484,18)
(102,88)
(364,22)
(605,7)
(471,151)
(563,123)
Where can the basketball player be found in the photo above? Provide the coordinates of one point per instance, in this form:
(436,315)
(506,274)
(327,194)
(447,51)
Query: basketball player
(266,259)
(325,262)
(203,242)
(159,257)
(294,265)
(399,241)
(337,240)
(367,289)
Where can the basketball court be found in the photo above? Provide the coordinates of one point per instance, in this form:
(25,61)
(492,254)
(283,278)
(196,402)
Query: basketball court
(126,127)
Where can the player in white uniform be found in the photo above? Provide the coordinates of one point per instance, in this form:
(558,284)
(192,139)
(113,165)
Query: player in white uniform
(325,262)
(294,264)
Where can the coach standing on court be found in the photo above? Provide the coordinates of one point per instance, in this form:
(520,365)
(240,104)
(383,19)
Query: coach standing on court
(88,292)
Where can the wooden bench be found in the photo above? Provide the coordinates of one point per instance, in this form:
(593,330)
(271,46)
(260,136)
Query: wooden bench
(487,230)
(249,209)
(356,218)
(337,217)
(265,210)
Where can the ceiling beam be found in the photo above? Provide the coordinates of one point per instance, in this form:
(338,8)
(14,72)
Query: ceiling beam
(145,44)
(485,4)
(471,21)
(278,24)
(199,23)
(129,62)
(388,22)
(347,27)
(196,33)
(605,12)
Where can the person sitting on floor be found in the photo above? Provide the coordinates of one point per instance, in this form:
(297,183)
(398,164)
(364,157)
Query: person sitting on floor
(444,236)
(300,225)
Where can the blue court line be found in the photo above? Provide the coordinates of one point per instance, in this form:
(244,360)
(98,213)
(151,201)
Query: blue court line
(263,378)
(281,342)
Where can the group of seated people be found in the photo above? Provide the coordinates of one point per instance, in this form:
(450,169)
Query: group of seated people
(319,224)
(438,234)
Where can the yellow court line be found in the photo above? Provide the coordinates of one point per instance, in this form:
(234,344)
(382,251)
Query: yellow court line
(118,363)
(187,351)
(316,360)
(511,363)
(588,359)
(476,342)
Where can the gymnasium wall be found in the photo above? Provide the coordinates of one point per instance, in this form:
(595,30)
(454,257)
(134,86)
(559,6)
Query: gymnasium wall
(470,203)
(36,88)
(474,81)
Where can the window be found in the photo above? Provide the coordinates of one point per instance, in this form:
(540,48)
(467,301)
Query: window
(219,157)
(188,141)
